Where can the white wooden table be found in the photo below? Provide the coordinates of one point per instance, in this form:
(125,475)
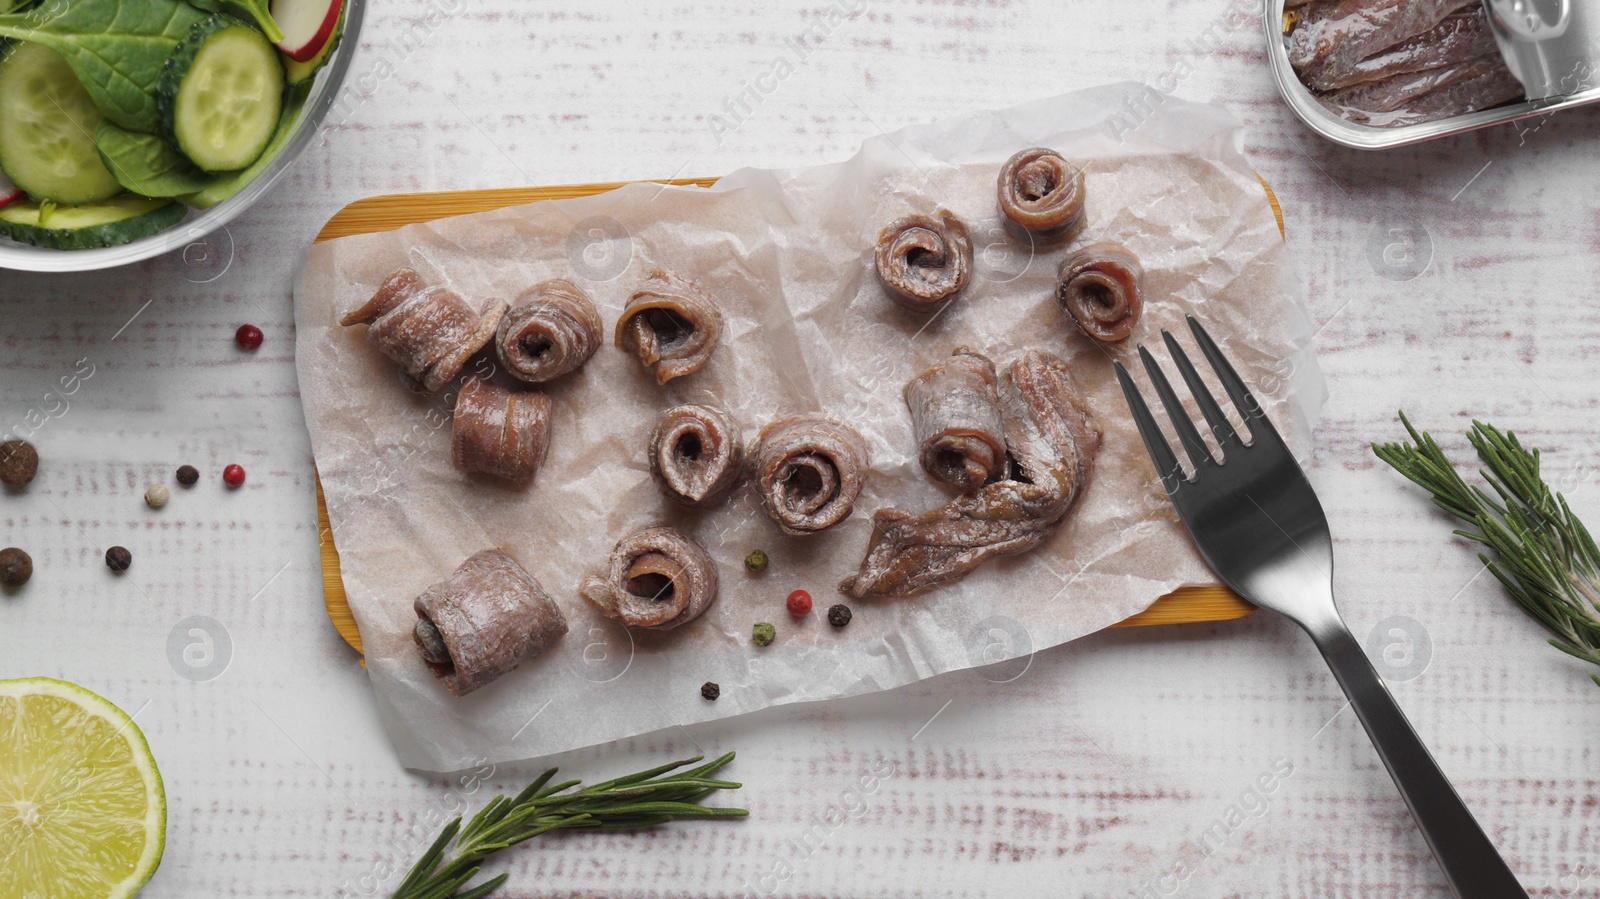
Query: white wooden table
(1211,760)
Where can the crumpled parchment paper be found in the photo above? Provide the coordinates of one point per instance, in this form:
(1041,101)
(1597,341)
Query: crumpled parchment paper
(788,255)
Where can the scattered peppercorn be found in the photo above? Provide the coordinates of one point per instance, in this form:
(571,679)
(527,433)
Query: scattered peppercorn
(19,462)
(118,558)
(799,603)
(763,634)
(756,561)
(156,496)
(233,475)
(248,336)
(16,567)
(839,615)
(709,690)
(188,475)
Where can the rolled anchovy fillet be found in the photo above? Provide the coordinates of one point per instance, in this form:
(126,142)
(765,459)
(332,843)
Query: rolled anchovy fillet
(810,470)
(1102,286)
(1042,193)
(955,415)
(695,455)
(483,621)
(552,329)
(1461,37)
(1363,101)
(656,578)
(1357,29)
(1052,444)
(429,332)
(500,432)
(924,259)
(395,289)
(671,325)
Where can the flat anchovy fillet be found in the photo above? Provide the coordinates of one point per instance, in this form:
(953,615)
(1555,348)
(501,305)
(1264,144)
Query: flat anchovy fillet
(1357,29)
(1041,193)
(695,455)
(1482,92)
(552,329)
(955,416)
(671,325)
(810,469)
(429,332)
(656,578)
(1053,445)
(500,432)
(1366,100)
(924,259)
(1460,37)
(483,621)
(1102,287)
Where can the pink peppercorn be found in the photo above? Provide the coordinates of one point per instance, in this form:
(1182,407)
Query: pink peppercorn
(799,603)
(233,475)
(248,336)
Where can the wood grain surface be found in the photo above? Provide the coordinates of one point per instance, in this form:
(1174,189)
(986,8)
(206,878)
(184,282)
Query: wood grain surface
(1188,604)
(1454,279)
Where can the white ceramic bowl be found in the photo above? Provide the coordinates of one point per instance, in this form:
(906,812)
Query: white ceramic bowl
(324,91)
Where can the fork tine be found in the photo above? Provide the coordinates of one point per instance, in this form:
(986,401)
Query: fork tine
(1154,441)
(1243,400)
(1202,395)
(1188,435)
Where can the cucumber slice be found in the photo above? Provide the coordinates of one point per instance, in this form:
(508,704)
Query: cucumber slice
(225,186)
(47,124)
(301,72)
(115,221)
(220,94)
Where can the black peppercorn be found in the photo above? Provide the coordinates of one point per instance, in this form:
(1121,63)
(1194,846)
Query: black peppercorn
(19,462)
(188,475)
(839,615)
(711,691)
(15,567)
(118,558)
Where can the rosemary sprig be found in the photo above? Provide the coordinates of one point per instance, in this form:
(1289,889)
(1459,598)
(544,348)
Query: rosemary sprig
(644,799)
(1542,553)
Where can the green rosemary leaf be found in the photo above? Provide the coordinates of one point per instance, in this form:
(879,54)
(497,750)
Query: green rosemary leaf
(446,888)
(532,790)
(644,799)
(484,889)
(430,858)
(642,821)
(1536,547)
(1587,657)
(484,818)
(551,791)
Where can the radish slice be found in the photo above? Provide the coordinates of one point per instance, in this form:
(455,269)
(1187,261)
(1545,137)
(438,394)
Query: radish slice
(307,26)
(8,192)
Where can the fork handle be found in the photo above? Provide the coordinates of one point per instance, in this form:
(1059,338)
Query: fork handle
(1471,863)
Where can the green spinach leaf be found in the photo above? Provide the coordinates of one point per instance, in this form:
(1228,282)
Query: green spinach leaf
(144,164)
(248,10)
(115,47)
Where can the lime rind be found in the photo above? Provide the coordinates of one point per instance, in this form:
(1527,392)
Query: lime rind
(78,786)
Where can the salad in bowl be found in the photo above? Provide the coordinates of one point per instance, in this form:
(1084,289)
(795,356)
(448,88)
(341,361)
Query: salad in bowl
(131,127)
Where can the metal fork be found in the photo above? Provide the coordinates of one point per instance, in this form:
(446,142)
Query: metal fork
(1259,526)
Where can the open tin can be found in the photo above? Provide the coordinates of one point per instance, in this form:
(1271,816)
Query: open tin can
(1550,45)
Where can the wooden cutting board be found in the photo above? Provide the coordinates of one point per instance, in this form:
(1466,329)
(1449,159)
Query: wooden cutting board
(1187,604)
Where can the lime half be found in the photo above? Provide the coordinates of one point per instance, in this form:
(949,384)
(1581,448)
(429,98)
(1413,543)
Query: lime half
(82,811)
